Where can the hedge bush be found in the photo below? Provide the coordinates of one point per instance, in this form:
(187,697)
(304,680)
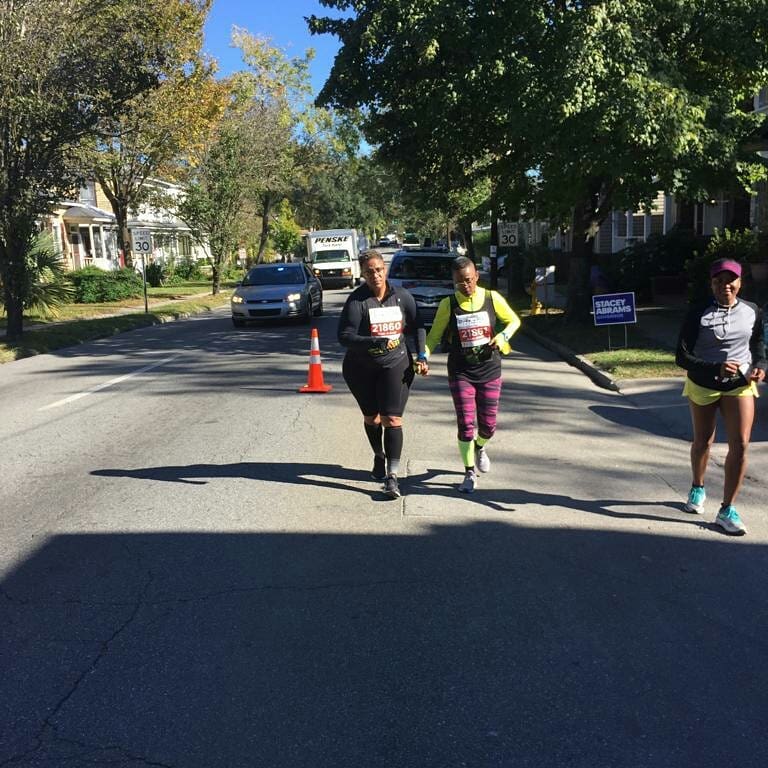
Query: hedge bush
(156,274)
(634,268)
(94,285)
(187,269)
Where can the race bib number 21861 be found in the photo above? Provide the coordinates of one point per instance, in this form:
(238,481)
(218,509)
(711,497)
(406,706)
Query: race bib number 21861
(474,329)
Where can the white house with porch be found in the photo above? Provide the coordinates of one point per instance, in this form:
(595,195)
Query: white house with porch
(85,229)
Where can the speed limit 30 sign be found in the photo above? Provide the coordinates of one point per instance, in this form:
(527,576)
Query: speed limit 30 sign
(508,236)
(142,241)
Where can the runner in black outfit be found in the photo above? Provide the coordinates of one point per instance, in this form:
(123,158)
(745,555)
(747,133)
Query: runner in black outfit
(378,367)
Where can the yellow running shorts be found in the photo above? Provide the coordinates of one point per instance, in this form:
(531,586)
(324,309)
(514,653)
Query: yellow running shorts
(704,396)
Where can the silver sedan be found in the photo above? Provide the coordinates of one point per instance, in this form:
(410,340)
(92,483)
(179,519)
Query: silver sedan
(274,291)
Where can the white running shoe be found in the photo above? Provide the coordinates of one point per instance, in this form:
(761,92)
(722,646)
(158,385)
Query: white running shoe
(469,483)
(482,460)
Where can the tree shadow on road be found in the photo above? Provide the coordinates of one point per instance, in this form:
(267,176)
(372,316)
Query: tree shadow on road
(481,644)
(510,499)
(431,482)
(332,476)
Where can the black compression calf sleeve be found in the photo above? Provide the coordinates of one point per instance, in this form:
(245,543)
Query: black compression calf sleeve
(393,447)
(374,433)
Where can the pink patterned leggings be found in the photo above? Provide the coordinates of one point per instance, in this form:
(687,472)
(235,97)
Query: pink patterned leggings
(476,406)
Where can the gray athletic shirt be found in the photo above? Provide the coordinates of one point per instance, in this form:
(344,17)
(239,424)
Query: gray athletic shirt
(712,334)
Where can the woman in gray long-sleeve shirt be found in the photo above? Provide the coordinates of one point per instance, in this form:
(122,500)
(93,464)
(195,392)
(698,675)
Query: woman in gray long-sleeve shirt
(721,347)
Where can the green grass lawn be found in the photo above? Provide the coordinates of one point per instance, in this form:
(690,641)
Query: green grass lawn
(87,311)
(642,358)
(76,331)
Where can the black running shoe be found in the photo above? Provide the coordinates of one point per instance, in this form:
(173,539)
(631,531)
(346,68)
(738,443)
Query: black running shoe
(379,471)
(391,488)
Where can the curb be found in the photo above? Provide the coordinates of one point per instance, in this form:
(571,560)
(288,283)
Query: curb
(599,377)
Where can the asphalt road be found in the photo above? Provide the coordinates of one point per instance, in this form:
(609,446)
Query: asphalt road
(197,571)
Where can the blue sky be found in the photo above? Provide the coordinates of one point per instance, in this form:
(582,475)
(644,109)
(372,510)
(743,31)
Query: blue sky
(280,20)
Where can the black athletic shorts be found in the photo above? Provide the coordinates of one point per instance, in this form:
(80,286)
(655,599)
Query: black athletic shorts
(379,390)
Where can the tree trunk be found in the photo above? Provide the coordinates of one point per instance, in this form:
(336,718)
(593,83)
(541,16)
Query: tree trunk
(14,312)
(588,215)
(119,207)
(216,273)
(465,227)
(123,235)
(493,249)
(266,207)
(13,274)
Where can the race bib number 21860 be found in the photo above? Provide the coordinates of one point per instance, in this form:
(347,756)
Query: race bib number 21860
(386,322)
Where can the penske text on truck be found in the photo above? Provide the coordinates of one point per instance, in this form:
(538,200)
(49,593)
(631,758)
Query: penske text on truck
(332,255)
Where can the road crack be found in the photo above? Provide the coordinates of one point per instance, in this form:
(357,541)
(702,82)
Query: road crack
(48,730)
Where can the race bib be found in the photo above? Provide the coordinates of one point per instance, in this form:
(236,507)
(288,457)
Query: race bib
(474,329)
(386,322)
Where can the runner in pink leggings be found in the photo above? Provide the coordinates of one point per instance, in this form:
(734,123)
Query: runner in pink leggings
(477,324)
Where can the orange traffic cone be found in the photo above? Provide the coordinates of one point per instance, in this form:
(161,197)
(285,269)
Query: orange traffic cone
(315,378)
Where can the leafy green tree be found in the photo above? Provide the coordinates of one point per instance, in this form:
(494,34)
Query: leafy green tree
(228,175)
(569,109)
(159,127)
(280,87)
(286,233)
(65,67)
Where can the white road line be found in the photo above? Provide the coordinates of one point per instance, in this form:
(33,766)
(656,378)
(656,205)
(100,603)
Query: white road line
(110,383)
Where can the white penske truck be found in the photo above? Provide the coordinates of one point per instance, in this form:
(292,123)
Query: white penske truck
(332,255)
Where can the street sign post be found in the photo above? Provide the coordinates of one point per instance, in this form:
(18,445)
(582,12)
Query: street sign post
(614,309)
(142,246)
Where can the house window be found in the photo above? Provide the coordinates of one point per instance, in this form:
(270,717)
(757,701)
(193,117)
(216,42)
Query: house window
(657,223)
(699,218)
(56,231)
(110,244)
(621,224)
(88,193)
(761,100)
(638,225)
(74,243)
(98,243)
(86,245)
(605,237)
(185,246)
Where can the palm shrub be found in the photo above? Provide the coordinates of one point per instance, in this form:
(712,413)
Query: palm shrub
(47,287)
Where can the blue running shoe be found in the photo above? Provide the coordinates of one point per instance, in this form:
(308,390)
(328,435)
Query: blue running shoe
(728,519)
(696,498)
